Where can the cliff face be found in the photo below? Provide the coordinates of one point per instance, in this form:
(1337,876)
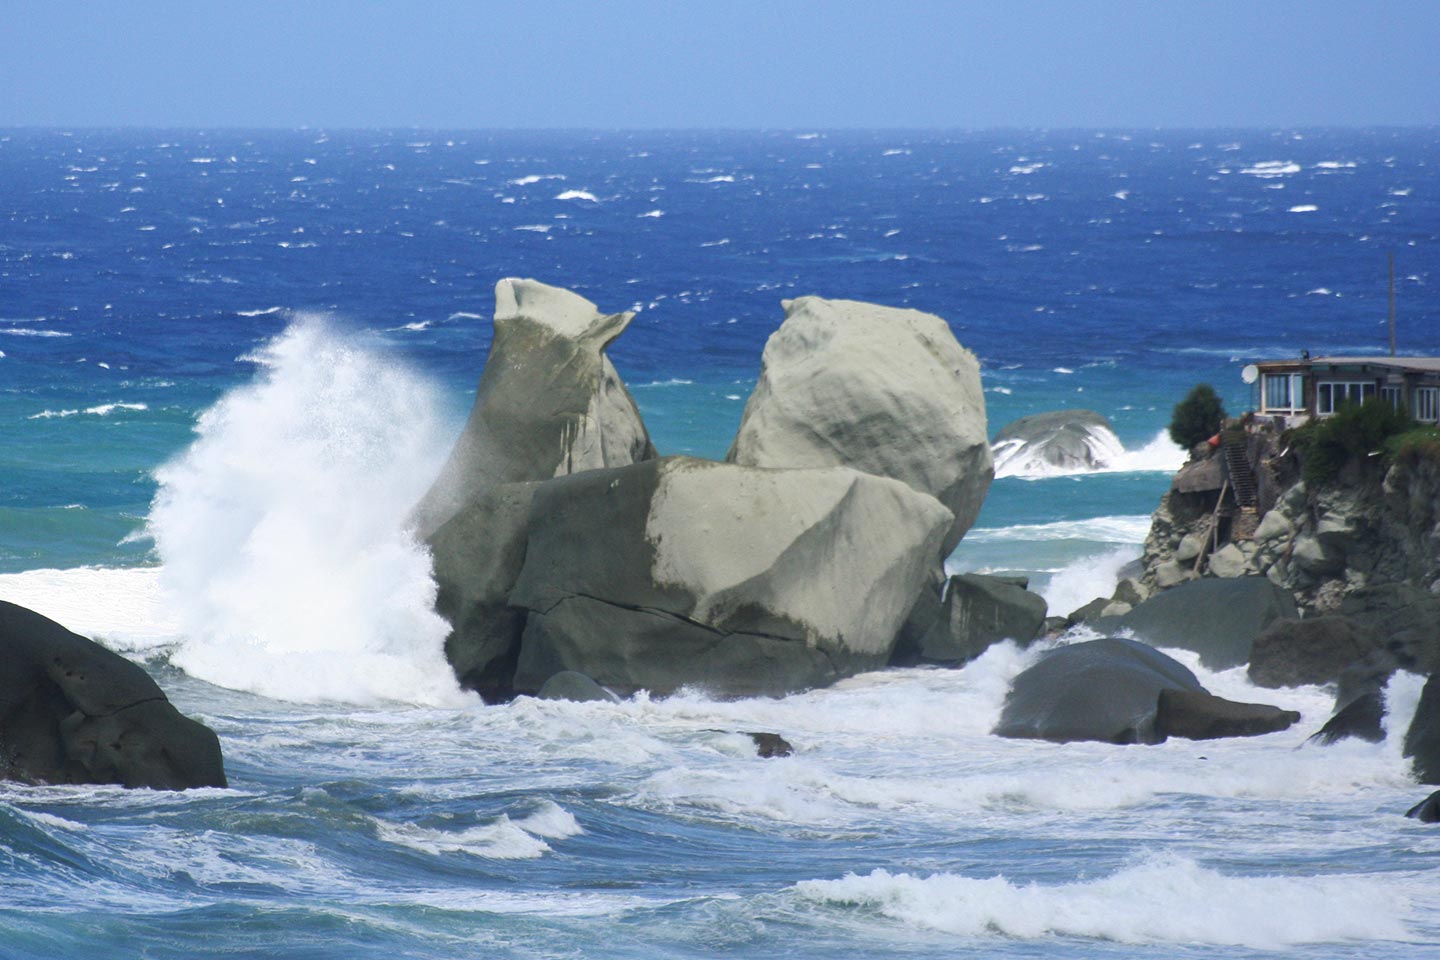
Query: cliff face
(1376,525)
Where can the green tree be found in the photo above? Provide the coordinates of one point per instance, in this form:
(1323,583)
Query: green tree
(1197,417)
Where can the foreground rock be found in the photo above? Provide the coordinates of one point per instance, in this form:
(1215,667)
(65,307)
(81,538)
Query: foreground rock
(885,391)
(549,401)
(1060,441)
(1427,810)
(744,581)
(1104,690)
(1121,691)
(73,712)
(576,687)
(1218,619)
(1193,715)
(977,611)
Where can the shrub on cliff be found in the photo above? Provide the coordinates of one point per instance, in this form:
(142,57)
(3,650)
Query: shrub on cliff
(1353,434)
(1415,445)
(1197,417)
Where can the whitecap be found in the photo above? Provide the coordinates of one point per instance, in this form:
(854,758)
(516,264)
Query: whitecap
(1130,529)
(1062,370)
(535,227)
(462,315)
(1166,899)
(1271,168)
(30,332)
(577,195)
(1026,168)
(264,312)
(501,840)
(1336,165)
(525,181)
(651,213)
(1303,208)
(672,382)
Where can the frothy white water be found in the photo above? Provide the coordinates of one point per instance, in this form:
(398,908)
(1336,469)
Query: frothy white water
(1086,579)
(1014,459)
(282,530)
(1167,900)
(1122,529)
(124,608)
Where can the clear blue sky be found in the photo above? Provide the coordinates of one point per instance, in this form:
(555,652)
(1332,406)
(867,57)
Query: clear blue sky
(719,63)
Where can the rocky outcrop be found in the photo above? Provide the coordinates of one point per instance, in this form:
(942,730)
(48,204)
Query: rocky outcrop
(73,712)
(1422,740)
(549,402)
(882,390)
(1311,651)
(976,612)
(1105,690)
(1120,691)
(1427,810)
(1192,715)
(477,557)
(743,581)
(1218,619)
(1059,441)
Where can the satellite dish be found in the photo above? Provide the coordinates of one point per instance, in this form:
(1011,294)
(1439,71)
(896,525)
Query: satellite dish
(1250,374)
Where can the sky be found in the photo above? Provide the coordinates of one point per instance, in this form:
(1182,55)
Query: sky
(777,64)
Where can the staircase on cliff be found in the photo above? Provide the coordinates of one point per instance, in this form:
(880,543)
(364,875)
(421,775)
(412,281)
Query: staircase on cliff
(1243,485)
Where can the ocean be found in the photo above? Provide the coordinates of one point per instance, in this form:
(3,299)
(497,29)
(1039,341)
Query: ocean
(231,361)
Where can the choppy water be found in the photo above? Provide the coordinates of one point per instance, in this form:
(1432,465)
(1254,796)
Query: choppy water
(243,354)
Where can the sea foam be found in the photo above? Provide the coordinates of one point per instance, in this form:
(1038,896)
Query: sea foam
(282,530)
(1169,899)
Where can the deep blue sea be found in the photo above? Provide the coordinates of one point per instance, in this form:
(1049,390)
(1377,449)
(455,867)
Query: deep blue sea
(230,362)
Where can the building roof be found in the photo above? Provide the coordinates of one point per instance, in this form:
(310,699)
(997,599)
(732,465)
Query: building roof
(1422,364)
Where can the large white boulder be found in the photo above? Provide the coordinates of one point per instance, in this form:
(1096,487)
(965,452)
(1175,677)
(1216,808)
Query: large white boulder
(882,390)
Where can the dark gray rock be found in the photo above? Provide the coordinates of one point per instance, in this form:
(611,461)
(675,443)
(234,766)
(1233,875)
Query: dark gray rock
(1427,810)
(569,685)
(1218,619)
(1091,611)
(1106,690)
(882,390)
(1062,440)
(1422,740)
(977,610)
(1362,717)
(549,402)
(770,745)
(73,712)
(1195,715)
(739,580)
(1405,618)
(1202,475)
(1311,651)
(477,555)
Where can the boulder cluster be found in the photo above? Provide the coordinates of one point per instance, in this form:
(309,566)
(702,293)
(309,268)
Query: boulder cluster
(563,543)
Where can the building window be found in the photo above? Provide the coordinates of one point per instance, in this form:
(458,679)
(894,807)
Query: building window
(1395,395)
(1284,392)
(1331,395)
(1427,404)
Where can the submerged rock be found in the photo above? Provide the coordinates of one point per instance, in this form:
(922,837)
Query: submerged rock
(1106,690)
(882,390)
(569,685)
(770,745)
(1362,718)
(1059,441)
(1218,619)
(549,402)
(741,580)
(73,712)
